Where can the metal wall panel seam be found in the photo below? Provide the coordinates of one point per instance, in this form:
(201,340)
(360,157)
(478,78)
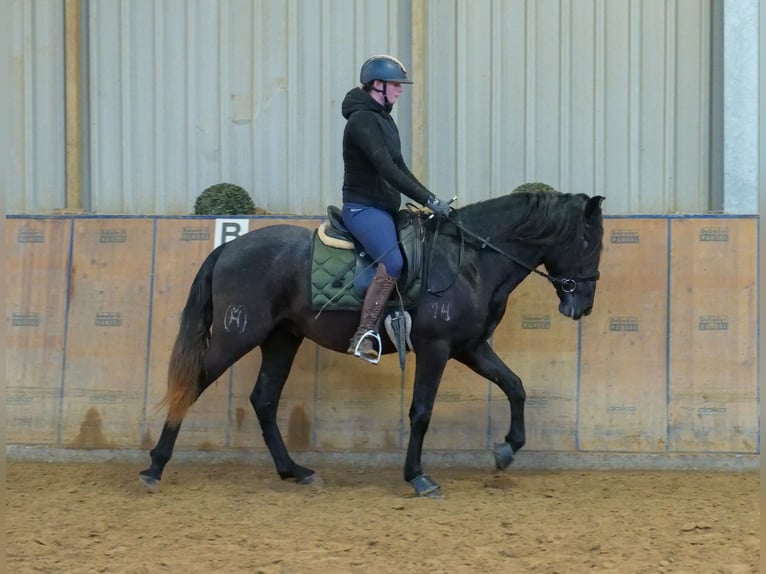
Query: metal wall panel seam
(565,94)
(669,193)
(256,53)
(359,45)
(393,32)
(461,95)
(30,173)
(496,101)
(529,89)
(634,106)
(294,196)
(94,80)
(160,201)
(599,99)
(224,91)
(704,138)
(190,100)
(126,132)
(327,95)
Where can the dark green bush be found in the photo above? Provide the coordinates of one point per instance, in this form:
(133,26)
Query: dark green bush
(224,199)
(535,187)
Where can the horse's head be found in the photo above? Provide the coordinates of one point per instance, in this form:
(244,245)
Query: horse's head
(574,264)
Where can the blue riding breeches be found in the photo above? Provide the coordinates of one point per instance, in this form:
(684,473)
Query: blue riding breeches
(376,231)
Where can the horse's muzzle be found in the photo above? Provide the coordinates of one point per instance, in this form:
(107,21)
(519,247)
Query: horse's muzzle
(572,313)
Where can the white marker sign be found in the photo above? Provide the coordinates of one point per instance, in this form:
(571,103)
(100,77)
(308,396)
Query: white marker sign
(228,229)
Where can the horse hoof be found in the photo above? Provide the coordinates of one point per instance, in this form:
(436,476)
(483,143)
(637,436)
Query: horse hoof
(150,483)
(426,487)
(503,455)
(309,480)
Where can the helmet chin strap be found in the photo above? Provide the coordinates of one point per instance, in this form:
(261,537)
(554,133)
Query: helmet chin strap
(388,105)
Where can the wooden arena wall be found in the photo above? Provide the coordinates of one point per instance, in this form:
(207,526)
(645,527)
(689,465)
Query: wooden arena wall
(667,362)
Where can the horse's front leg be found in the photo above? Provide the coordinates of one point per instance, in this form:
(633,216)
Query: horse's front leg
(429,366)
(485,362)
(277,355)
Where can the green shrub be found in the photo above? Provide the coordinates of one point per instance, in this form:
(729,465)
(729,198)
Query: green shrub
(224,199)
(534,187)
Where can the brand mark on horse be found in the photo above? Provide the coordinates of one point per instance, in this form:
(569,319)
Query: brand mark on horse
(235,319)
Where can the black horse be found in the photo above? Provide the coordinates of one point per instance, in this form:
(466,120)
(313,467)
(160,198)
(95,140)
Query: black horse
(475,264)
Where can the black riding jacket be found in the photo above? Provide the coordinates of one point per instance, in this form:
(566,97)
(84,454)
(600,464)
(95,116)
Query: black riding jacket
(375,173)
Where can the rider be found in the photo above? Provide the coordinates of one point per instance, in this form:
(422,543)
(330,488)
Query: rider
(374,178)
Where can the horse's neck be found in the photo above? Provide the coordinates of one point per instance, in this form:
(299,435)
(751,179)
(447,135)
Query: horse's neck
(505,271)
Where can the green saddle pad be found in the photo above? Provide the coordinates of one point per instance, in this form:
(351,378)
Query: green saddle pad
(333,285)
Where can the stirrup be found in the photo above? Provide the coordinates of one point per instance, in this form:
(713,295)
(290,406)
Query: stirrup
(376,337)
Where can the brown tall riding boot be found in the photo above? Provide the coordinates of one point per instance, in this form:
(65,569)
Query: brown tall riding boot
(374,301)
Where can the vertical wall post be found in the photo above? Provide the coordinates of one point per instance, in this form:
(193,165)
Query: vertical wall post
(419,93)
(73,97)
(761,170)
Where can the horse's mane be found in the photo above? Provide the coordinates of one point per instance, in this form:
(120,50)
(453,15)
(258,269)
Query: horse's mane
(540,217)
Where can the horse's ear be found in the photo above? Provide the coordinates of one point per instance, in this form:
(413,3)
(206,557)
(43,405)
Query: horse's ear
(593,207)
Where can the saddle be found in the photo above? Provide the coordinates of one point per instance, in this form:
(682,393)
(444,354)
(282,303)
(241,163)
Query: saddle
(341,270)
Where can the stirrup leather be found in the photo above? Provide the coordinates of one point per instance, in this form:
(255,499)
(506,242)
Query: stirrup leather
(375,337)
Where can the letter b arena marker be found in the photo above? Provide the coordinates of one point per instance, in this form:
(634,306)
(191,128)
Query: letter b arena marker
(228,229)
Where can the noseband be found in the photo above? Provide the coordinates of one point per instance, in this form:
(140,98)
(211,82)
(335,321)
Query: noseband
(567,284)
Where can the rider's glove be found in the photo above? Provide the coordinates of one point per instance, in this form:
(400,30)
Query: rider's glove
(439,207)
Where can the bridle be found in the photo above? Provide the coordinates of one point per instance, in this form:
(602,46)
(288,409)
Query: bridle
(567,284)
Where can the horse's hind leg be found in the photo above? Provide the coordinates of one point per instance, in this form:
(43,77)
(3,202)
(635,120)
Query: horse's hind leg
(160,455)
(485,362)
(163,451)
(277,355)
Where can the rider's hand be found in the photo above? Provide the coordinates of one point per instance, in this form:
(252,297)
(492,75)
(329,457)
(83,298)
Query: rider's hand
(439,207)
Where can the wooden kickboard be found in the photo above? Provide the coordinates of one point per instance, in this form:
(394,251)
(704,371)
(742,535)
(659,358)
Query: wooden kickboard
(713,336)
(622,398)
(540,346)
(107,346)
(666,362)
(36,296)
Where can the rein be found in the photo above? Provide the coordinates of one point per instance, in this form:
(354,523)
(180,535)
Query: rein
(567,284)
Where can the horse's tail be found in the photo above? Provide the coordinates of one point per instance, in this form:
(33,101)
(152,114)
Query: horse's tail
(187,368)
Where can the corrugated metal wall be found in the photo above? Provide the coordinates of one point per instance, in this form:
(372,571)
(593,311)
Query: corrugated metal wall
(188,94)
(586,95)
(594,96)
(36,174)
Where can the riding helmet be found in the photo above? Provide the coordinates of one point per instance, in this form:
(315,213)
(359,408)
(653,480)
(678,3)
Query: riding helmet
(384,68)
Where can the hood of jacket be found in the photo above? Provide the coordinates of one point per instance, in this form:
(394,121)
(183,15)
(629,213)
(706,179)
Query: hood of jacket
(358,100)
